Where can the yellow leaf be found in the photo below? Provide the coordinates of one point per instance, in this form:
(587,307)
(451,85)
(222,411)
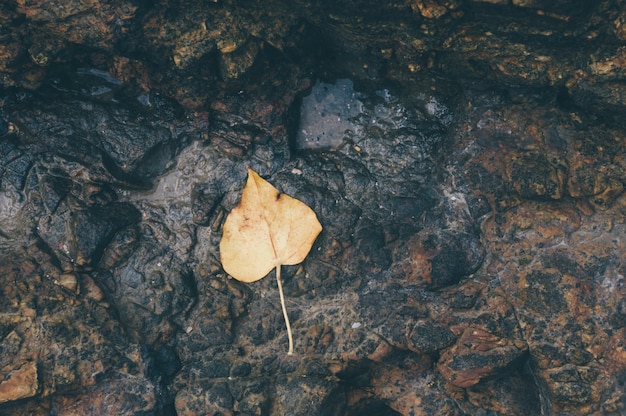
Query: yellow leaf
(266,230)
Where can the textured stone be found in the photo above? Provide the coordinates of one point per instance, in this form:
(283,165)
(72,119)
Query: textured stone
(478,354)
(70,341)
(473,211)
(119,394)
(194,400)
(437,259)
(323,396)
(19,383)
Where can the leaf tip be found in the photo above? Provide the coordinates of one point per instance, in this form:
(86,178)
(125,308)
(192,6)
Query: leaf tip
(252,174)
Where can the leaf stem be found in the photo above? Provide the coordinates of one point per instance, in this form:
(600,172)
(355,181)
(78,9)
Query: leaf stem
(282,303)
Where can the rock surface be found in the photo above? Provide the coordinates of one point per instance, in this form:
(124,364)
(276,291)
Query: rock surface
(471,192)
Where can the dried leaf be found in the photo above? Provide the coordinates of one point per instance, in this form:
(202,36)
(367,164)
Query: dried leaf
(266,230)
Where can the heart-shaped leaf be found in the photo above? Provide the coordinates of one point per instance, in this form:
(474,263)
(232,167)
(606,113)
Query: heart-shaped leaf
(266,230)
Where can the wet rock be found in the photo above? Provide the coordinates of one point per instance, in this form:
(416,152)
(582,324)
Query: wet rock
(494,395)
(79,235)
(472,207)
(442,255)
(251,396)
(16,165)
(325,116)
(236,63)
(553,285)
(111,141)
(394,387)
(427,337)
(62,21)
(68,281)
(595,180)
(133,393)
(431,9)
(437,260)
(537,176)
(71,342)
(19,383)
(601,93)
(151,289)
(205,199)
(323,397)
(572,384)
(478,354)
(214,399)
(233,33)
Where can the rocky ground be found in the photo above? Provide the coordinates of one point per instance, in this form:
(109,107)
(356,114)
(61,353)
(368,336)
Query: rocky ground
(466,159)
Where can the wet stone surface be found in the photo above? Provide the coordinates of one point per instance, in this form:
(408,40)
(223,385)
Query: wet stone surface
(469,179)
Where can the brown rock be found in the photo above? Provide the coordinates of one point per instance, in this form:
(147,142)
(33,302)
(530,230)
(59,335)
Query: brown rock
(19,383)
(322,395)
(437,258)
(118,394)
(477,355)
(537,176)
(555,283)
(196,401)
(433,9)
(82,22)
(509,111)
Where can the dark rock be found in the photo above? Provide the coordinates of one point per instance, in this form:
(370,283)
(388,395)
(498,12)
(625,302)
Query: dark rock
(472,199)
(109,140)
(216,369)
(426,337)
(75,348)
(322,397)
(53,190)
(214,399)
(478,354)
(204,202)
(437,259)
(525,400)
(149,300)
(251,396)
(79,235)
(167,361)
(606,96)
(240,369)
(136,395)
(535,176)
(16,165)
